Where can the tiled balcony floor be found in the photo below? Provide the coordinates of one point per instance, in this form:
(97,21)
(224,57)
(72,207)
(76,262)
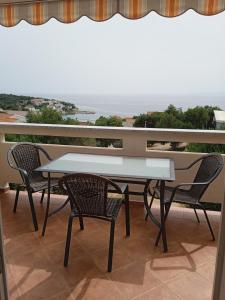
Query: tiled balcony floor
(140,271)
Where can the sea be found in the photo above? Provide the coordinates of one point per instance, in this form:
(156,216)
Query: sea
(133,105)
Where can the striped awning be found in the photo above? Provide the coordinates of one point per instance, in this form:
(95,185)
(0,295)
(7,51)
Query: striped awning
(68,11)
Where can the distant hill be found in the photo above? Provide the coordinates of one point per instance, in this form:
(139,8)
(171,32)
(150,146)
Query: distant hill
(14,102)
(28,103)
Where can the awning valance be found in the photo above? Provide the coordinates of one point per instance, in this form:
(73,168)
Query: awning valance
(68,11)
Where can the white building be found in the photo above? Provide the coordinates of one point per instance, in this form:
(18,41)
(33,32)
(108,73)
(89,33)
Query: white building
(219,116)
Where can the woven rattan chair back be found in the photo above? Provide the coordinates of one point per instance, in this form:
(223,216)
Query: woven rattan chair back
(26,156)
(210,167)
(87,192)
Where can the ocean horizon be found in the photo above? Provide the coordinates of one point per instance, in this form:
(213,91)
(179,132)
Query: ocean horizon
(131,105)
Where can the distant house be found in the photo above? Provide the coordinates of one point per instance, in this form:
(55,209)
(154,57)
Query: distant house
(30,108)
(128,122)
(219,117)
(37,101)
(59,106)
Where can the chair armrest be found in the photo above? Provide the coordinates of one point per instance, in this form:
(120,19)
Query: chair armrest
(191,165)
(23,173)
(182,169)
(187,184)
(192,183)
(44,152)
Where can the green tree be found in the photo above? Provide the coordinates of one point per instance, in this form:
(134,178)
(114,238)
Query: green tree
(201,117)
(147,120)
(109,121)
(45,116)
(51,116)
(170,121)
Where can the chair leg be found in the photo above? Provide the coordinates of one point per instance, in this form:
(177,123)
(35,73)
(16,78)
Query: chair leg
(111,242)
(42,196)
(209,225)
(127,213)
(150,205)
(196,214)
(81,223)
(68,239)
(47,206)
(16,199)
(30,197)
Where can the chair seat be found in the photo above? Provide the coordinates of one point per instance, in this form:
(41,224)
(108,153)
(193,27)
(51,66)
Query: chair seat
(181,195)
(42,184)
(112,210)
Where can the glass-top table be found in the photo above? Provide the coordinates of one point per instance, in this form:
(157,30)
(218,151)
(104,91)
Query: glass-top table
(113,166)
(144,168)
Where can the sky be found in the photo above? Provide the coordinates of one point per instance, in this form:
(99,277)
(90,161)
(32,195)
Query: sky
(150,56)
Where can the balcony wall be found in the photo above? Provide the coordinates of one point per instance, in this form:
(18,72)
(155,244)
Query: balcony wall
(134,141)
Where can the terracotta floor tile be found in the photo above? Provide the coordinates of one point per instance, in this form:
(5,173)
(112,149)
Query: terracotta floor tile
(55,252)
(23,270)
(13,288)
(137,248)
(207,270)
(93,241)
(168,267)
(97,288)
(121,258)
(134,279)
(191,286)
(22,243)
(199,254)
(64,295)
(140,270)
(55,233)
(41,284)
(159,293)
(79,270)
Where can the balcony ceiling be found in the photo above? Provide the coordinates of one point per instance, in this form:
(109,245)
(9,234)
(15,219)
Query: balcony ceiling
(68,11)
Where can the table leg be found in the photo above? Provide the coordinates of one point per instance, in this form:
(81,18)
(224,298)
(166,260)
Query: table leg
(48,204)
(162,215)
(127,212)
(148,207)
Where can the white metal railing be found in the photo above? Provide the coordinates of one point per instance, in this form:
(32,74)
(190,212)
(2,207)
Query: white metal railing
(134,143)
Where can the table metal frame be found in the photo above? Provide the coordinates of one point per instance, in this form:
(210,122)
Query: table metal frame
(145,182)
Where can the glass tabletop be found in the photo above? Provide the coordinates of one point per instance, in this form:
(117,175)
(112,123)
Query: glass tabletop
(112,166)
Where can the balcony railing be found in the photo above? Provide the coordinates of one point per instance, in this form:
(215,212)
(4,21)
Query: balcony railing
(134,143)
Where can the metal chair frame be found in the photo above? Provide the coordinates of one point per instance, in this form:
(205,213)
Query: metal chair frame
(76,211)
(27,181)
(197,204)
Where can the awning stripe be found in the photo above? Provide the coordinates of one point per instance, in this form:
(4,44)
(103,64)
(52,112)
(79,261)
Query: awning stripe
(9,15)
(68,11)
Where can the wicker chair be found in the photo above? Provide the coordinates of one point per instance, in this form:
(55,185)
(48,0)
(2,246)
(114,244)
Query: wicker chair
(191,193)
(89,198)
(25,158)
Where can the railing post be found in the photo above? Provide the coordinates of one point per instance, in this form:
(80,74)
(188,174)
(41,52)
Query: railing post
(134,145)
(3,184)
